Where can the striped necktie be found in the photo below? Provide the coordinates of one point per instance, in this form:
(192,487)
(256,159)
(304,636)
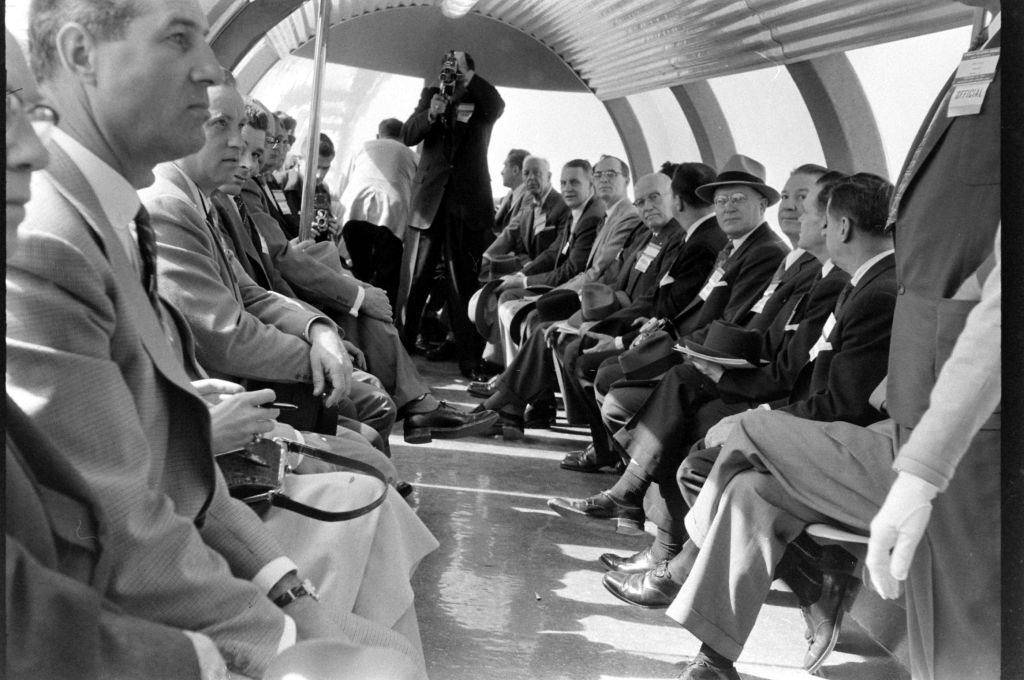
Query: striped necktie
(147,250)
(723,255)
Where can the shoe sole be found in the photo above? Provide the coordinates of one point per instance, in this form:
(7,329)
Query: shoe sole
(622,526)
(627,601)
(424,435)
(813,668)
(580,468)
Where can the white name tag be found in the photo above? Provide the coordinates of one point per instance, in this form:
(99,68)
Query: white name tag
(463,112)
(714,281)
(565,248)
(646,257)
(973,77)
(666,280)
(823,345)
(768,292)
(282,202)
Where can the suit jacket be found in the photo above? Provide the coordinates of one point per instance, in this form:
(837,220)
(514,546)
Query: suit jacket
(453,162)
(775,381)
(636,279)
(944,229)
(745,275)
(241,329)
(605,255)
(686,274)
(238,233)
(509,206)
(311,279)
(837,384)
(58,622)
(777,311)
(567,256)
(88,361)
(522,237)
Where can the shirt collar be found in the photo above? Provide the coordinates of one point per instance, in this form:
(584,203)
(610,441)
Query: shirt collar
(116,195)
(198,196)
(793,256)
(827,267)
(736,243)
(863,269)
(693,227)
(576,212)
(540,201)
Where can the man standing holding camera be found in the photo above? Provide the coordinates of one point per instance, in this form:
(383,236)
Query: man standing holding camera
(452,204)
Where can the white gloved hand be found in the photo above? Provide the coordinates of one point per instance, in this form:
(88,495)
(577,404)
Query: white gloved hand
(896,531)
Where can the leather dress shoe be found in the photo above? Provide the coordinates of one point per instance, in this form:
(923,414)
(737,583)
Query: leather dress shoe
(511,426)
(599,507)
(634,564)
(540,416)
(701,668)
(446,351)
(483,388)
(446,422)
(585,461)
(651,589)
(824,618)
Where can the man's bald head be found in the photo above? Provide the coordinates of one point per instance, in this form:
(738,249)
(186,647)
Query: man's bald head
(654,199)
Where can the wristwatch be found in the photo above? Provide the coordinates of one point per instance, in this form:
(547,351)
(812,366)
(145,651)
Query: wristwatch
(304,589)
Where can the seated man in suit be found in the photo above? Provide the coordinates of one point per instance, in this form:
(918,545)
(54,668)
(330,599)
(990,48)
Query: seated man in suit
(769,466)
(512,179)
(366,322)
(742,271)
(176,549)
(688,400)
(560,261)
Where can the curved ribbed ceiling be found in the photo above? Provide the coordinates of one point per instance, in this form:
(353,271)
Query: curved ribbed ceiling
(611,47)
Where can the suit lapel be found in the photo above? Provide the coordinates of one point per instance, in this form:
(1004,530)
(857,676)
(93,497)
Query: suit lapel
(72,185)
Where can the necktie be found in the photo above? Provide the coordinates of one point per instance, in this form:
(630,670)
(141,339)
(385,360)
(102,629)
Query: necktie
(843,295)
(723,255)
(147,251)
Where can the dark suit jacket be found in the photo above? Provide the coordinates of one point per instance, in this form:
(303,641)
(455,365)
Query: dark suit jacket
(778,308)
(506,209)
(632,281)
(59,623)
(775,381)
(453,163)
(747,273)
(521,236)
(944,231)
(567,256)
(836,385)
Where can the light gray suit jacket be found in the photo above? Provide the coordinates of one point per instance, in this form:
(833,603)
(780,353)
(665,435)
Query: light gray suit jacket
(242,330)
(89,363)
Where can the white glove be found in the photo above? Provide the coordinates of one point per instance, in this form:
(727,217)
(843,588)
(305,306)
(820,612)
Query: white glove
(896,530)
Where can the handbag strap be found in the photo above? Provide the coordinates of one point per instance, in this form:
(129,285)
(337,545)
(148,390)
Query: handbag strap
(278,499)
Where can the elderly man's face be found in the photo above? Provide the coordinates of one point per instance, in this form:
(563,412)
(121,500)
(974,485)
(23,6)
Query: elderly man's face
(609,182)
(536,177)
(654,200)
(149,94)
(24,153)
(576,186)
(791,203)
(812,221)
(215,164)
(739,209)
(249,164)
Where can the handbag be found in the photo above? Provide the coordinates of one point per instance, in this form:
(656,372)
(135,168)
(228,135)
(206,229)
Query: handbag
(256,474)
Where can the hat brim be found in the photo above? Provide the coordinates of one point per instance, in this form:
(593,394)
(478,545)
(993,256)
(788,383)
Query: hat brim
(707,191)
(484,312)
(699,351)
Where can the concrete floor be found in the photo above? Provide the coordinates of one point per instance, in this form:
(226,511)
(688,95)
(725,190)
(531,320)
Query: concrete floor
(515,591)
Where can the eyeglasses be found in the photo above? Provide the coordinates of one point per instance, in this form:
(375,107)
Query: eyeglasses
(736,200)
(606,174)
(653,199)
(42,118)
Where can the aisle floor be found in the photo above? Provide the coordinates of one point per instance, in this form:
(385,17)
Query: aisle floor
(514,592)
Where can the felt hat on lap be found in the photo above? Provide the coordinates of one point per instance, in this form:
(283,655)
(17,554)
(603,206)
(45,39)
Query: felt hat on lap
(728,345)
(483,307)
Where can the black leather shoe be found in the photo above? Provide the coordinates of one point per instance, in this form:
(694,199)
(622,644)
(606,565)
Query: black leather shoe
(634,564)
(824,618)
(511,426)
(483,388)
(446,351)
(540,416)
(445,422)
(585,461)
(600,507)
(701,668)
(651,589)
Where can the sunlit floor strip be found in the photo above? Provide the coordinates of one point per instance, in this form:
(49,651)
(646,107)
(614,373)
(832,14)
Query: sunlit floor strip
(494,492)
(466,446)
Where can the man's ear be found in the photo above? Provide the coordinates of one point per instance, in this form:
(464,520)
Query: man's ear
(845,229)
(76,49)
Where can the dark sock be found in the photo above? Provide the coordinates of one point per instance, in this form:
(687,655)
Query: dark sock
(714,657)
(422,404)
(665,546)
(680,565)
(631,487)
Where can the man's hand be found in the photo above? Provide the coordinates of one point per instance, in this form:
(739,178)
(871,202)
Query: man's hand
(438,103)
(376,304)
(640,321)
(211,664)
(714,372)
(717,435)
(651,325)
(237,417)
(211,389)
(356,354)
(897,530)
(512,281)
(604,343)
(329,362)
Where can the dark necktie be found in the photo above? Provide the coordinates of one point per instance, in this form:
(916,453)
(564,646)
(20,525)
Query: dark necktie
(843,295)
(147,251)
(723,255)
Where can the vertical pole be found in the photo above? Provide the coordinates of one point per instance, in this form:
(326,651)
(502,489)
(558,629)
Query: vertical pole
(323,22)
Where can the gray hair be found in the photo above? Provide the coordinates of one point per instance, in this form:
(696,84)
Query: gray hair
(105,20)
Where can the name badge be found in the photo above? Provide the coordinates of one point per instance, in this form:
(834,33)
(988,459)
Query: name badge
(714,281)
(973,77)
(792,323)
(282,202)
(823,345)
(646,257)
(666,280)
(768,292)
(565,248)
(463,112)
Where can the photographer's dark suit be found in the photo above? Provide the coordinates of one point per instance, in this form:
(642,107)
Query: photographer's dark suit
(452,202)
